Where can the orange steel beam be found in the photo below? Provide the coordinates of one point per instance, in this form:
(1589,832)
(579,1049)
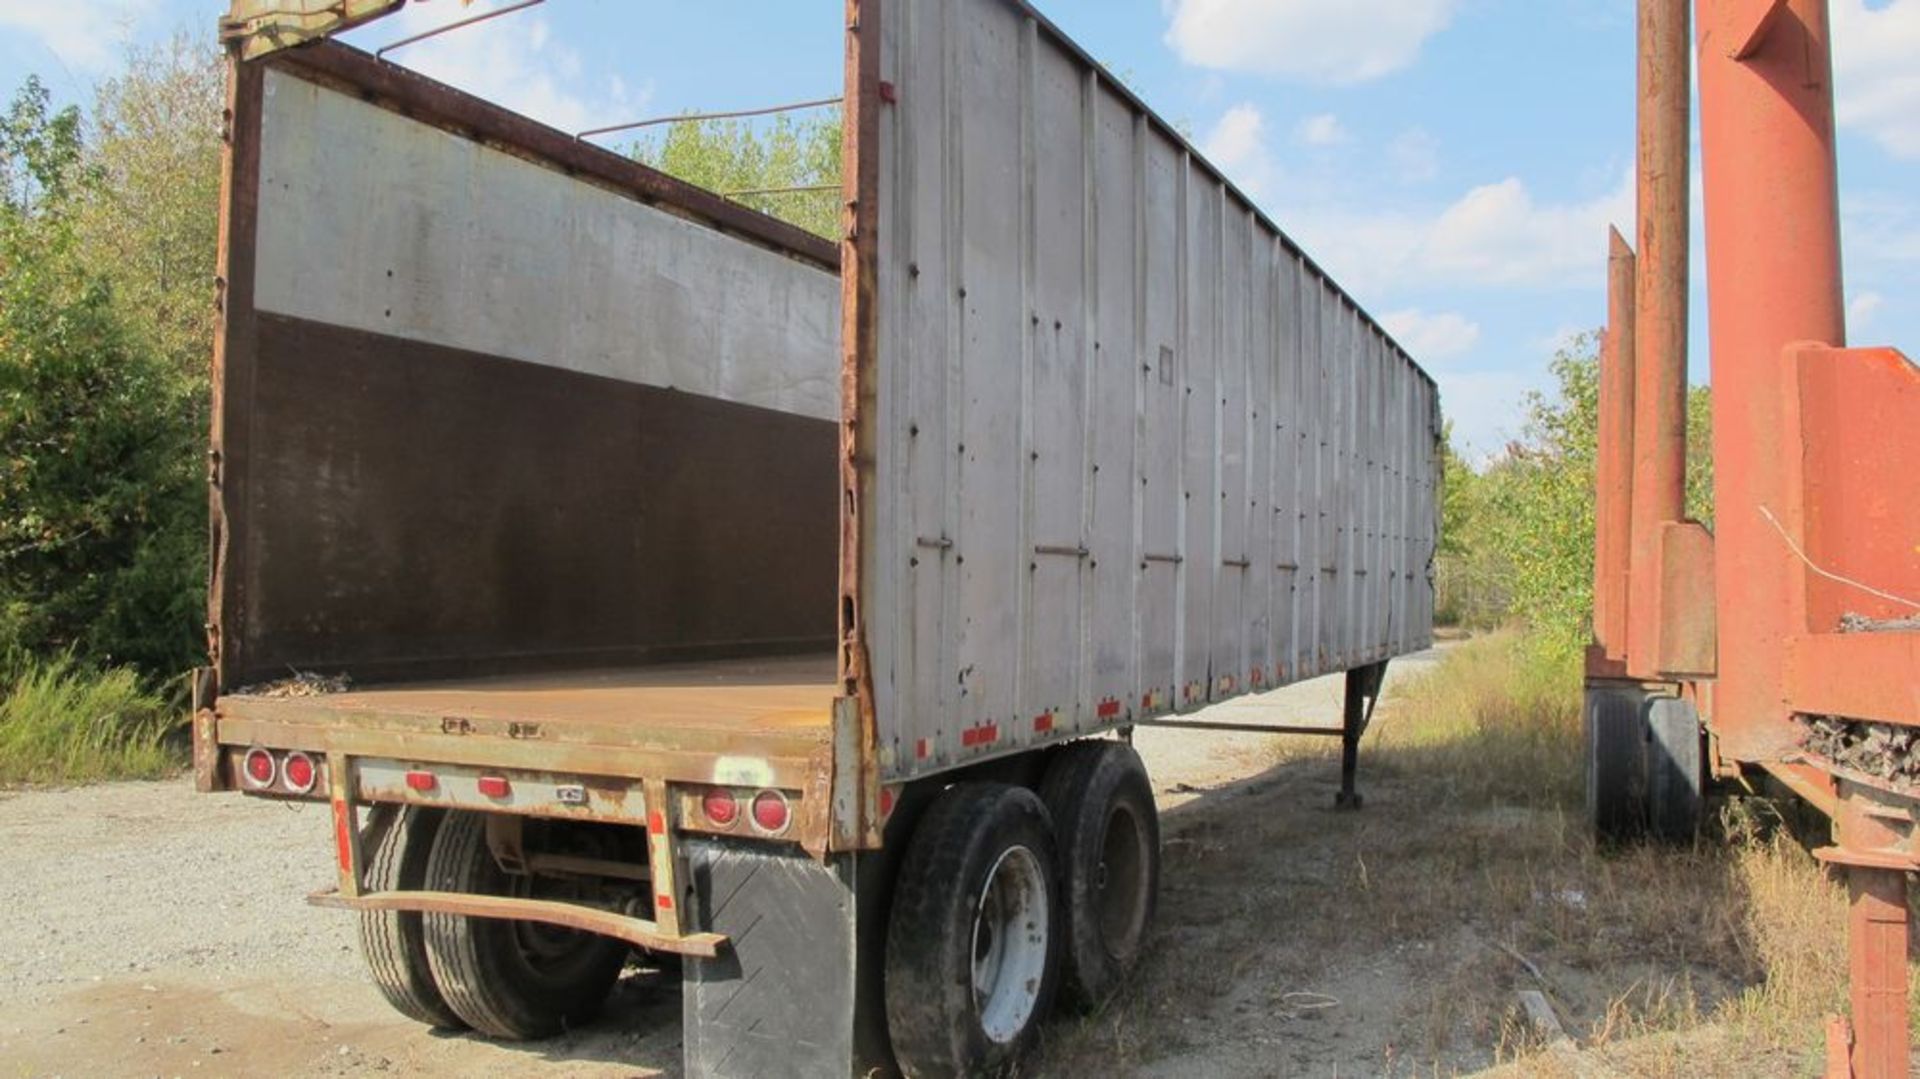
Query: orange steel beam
(1660,318)
(1773,279)
(1613,482)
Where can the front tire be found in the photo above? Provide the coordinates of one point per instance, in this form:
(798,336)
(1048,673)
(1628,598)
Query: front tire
(512,980)
(973,939)
(1108,832)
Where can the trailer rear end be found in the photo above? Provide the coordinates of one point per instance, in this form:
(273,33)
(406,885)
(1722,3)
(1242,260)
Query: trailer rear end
(629,569)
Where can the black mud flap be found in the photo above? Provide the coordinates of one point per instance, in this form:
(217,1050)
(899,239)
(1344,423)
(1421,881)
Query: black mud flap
(779,1000)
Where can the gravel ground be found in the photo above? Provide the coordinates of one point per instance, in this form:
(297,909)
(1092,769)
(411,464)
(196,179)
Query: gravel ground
(152,931)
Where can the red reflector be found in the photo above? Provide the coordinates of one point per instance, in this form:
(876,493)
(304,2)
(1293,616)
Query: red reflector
(886,800)
(260,767)
(421,781)
(720,806)
(299,771)
(770,811)
(494,786)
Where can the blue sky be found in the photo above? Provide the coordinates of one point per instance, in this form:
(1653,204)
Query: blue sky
(1453,163)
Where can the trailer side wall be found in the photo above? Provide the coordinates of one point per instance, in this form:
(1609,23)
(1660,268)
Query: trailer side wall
(1134,452)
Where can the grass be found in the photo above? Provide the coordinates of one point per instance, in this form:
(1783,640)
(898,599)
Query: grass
(62,722)
(1468,877)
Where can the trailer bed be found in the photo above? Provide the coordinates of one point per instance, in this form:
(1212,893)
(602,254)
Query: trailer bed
(606,721)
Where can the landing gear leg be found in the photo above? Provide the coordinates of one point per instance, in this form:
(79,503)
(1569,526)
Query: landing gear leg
(1363,692)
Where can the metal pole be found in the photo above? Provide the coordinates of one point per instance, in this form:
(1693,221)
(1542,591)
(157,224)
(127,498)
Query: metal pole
(1613,482)
(734,114)
(1773,278)
(1660,317)
(455,25)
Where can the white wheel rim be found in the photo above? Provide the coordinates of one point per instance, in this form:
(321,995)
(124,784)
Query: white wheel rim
(1010,928)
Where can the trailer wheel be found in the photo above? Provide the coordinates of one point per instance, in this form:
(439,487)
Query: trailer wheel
(393,942)
(509,979)
(1616,763)
(1108,833)
(973,940)
(1676,770)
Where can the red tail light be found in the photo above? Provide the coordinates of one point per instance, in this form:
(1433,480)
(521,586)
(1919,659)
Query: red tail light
(421,781)
(720,806)
(261,768)
(300,772)
(494,786)
(770,812)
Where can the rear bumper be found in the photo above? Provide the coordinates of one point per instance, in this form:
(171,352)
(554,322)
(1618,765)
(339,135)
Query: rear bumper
(641,932)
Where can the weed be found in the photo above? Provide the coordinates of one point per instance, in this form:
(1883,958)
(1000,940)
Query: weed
(62,722)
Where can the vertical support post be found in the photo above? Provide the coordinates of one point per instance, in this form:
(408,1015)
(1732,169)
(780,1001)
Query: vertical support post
(1613,507)
(1660,316)
(1363,691)
(1877,970)
(1773,278)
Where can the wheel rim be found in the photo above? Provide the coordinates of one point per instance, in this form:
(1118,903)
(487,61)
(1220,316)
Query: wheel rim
(1119,882)
(1011,928)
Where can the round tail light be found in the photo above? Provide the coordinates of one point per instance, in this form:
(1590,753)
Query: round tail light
(299,772)
(770,812)
(720,806)
(260,767)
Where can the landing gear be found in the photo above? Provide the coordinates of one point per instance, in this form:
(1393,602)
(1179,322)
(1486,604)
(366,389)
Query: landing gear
(1363,692)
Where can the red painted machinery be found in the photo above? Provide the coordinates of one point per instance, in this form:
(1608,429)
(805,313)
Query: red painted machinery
(1785,641)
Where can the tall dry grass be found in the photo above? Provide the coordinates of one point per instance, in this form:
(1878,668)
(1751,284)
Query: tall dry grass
(62,722)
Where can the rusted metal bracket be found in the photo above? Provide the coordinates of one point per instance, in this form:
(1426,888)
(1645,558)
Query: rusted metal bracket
(259,27)
(639,931)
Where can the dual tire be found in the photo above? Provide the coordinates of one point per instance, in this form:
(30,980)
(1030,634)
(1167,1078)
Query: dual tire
(1007,898)
(504,979)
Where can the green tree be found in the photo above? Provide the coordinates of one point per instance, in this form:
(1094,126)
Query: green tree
(733,156)
(101,503)
(151,218)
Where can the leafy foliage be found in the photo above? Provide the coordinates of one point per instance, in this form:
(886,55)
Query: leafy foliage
(101,508)
(731,156)
(1520,531)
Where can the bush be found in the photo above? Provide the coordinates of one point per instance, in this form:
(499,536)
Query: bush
(63,723)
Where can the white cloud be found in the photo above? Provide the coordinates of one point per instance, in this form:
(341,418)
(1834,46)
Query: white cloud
(1237,144)
(1876,83)
(1495,236)
(516,63)
(1323,41)
(1485,408)
(1861,308)
(85,35)
(1432,337)
(1321,130)
(1415,156)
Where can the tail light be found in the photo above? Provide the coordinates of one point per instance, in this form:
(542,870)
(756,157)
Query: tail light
(770,812)
(299,772)
(261,769)
(494,786)
(720,806)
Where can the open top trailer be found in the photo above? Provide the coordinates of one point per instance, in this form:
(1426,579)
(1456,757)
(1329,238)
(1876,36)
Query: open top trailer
(628,568)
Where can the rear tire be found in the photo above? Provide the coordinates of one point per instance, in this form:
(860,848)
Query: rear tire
(1108,833)
(509,979)
(1676,770)
(1616,763)
(393,943)
(974,936)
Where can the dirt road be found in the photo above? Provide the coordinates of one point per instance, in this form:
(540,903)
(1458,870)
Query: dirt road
(149,931)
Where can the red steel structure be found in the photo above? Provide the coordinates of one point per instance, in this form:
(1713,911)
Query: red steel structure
(1783,644)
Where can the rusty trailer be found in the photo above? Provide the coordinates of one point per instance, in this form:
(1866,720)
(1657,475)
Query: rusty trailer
(616,559)
(1779,649)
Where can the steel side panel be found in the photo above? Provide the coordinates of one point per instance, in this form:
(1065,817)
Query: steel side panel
(377,222)
(1135,452)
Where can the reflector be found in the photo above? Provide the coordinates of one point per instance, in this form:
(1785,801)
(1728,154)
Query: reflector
(770,811)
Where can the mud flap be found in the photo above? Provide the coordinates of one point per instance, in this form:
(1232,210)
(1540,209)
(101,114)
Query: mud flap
(779,1000)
